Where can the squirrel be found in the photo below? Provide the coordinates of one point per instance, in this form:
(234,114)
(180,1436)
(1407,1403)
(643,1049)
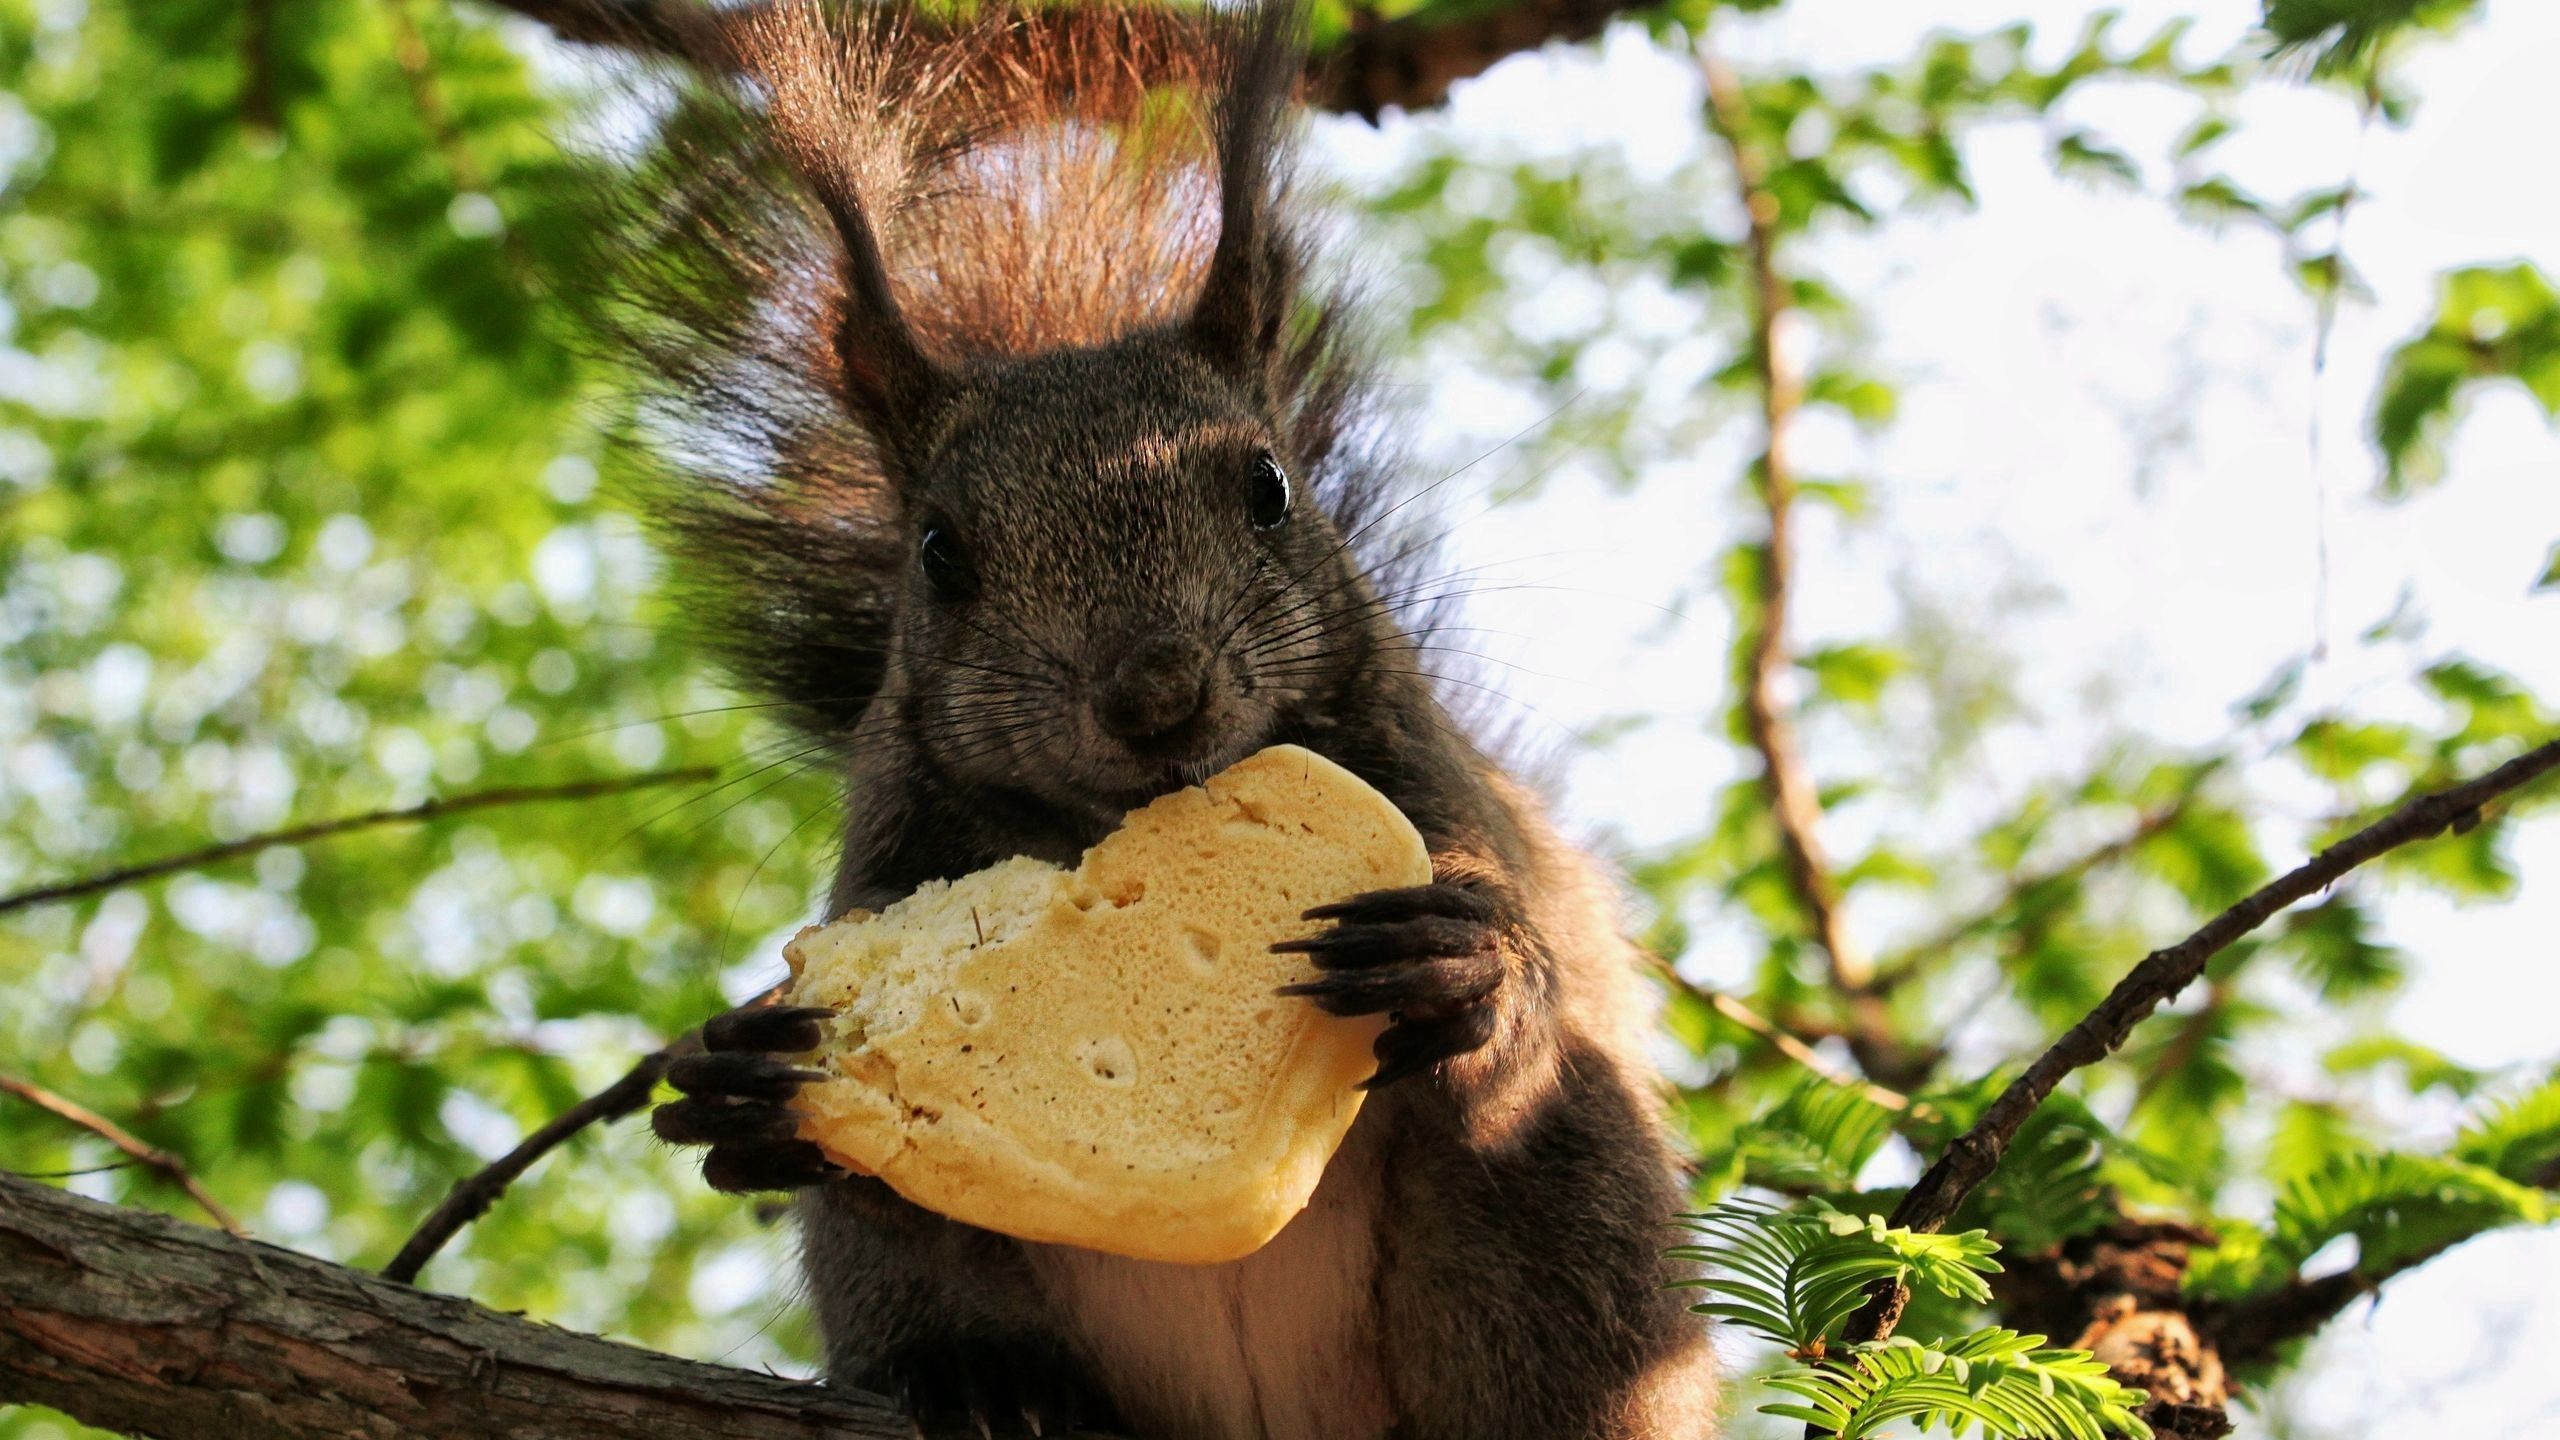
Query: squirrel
(1019,455)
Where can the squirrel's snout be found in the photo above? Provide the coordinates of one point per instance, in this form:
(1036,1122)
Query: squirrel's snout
(1159,686)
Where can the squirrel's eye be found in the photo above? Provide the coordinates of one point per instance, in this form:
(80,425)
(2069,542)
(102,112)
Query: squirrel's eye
(1268,502)
(945,569)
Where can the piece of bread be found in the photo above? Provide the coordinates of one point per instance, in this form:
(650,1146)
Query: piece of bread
(1096,1057)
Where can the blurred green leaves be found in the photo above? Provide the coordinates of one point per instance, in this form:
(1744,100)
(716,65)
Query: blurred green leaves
(2492,324)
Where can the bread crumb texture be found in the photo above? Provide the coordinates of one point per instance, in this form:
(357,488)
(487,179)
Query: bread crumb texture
(1095,1057)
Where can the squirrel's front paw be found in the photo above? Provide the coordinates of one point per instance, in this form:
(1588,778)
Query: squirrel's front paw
(1429,957)
(736,1095)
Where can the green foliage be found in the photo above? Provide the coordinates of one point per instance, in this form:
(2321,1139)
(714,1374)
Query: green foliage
(2493,323)
(1815,1141)
(2344,35)
(1993,1382)
(2397,1208)
(1795,1276)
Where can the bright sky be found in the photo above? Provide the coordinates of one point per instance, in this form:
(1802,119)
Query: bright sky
(2106,405)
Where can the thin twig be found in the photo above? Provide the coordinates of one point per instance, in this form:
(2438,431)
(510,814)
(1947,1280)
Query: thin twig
(2158,979)
(1778,1039)
(1911,960)
(472,1196)
(324,829)
(151,1157)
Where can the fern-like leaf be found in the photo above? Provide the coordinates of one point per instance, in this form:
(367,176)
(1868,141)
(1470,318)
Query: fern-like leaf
(1994,1382)
(1794,1276)
(2519,1138)
(2398,1208)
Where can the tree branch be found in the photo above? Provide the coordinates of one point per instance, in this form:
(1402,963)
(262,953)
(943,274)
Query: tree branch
(1795,802)
(472,1196)
(151,1157)
(1778,1039)
(1407,63)
(1410,62)
(1911,960)
(325,829)
(2158,978)
(135,1322)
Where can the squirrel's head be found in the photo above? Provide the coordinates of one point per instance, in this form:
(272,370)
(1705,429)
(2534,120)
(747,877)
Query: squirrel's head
(1119,581)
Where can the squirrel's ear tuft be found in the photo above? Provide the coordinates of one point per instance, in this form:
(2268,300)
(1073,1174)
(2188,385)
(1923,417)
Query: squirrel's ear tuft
(1241,317)
(827,102)
(889,381)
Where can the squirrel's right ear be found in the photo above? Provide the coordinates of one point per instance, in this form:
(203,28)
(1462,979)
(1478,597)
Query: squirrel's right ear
(1241,317)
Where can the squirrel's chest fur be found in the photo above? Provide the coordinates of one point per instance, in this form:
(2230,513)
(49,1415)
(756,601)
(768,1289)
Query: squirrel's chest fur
(1280,1345)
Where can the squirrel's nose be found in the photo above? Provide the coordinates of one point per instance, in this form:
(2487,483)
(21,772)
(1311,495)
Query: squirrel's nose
(1162,682)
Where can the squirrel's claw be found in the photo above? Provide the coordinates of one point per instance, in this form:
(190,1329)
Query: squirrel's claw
(1430,956)
(735,1095)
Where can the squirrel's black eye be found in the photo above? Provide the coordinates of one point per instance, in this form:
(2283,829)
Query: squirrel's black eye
(1268,502)
(945,568)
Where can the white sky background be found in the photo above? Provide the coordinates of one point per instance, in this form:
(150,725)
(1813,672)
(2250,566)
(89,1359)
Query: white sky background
(2046,343)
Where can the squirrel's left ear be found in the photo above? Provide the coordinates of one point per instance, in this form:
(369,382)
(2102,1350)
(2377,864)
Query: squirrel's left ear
(1240,320)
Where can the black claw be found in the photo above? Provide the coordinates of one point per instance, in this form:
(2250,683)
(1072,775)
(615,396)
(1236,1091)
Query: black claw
(1431,937)
(772,1165)
(739,1075)
(1455,902)
(717,1122)
(1437,984)
(1413,1046)
(779,1029)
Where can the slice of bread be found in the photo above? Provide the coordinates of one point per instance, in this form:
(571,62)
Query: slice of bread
(1096,1057)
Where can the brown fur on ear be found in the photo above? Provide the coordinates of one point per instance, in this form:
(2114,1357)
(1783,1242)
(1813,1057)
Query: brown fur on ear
(1245,302)
(830,108)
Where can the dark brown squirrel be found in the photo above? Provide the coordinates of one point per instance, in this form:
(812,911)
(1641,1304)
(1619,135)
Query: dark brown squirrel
(1021,457)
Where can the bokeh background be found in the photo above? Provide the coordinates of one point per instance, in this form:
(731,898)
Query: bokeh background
(2180,458)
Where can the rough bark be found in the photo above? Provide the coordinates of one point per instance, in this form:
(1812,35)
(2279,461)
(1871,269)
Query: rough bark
(140,1323)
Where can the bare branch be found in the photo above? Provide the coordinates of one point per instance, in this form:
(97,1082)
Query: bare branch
(1778,1039)
(1410,62)
(324,829)
(2158,978)
(1407,63)
(472,1196)
(1911,960)
(150,1157)
(135,1322)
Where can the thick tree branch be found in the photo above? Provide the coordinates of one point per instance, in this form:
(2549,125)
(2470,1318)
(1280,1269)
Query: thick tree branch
(1407,63)
(2158,978)
(150,1157)
(135,1322)
(324,829)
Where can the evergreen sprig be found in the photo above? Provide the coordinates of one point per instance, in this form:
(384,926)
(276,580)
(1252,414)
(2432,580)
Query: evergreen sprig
(1795,1276)
(1994,1382)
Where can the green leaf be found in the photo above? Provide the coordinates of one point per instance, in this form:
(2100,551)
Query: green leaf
(1994,1382)
(1854,674)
